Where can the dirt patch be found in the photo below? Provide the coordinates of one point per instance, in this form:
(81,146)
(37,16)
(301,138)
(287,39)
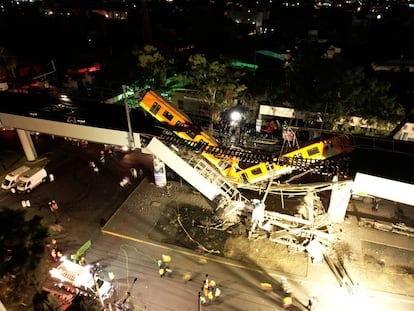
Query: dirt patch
(266,254)
(194,226)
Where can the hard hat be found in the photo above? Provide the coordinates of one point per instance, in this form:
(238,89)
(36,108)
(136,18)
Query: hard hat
(212,283)
(166,258)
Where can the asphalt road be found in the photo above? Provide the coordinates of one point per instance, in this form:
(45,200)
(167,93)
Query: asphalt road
(240,282)
(89,201)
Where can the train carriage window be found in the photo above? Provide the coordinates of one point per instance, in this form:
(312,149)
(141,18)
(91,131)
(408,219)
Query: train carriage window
(169,116)
(155,108)
(313,151)
(224,164)
(191,134)
(256,171)
(244,177)
(179,124)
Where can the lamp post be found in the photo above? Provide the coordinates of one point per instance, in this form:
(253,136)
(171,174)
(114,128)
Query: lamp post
(323,117)
(97,291)
(235,117)
(131,143)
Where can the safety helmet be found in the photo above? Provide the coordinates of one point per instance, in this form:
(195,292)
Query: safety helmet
(166,258)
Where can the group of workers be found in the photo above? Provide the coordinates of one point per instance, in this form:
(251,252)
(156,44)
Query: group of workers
(55,253)
(210,291)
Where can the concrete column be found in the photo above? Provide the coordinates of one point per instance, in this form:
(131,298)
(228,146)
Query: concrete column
(27,144)
(340,196)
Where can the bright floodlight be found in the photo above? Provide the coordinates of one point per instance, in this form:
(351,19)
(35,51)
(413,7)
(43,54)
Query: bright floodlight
(235,116)
(125,148)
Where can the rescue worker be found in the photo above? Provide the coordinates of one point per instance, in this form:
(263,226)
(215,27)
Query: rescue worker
(53,244)
(55,253)
(211,291)
(288,293)
(310,303)
(187,277)
(93,166)
(163,265)
(96,268)
(287,302)
(102,157)
(134,173)
(53,206)
(205,286)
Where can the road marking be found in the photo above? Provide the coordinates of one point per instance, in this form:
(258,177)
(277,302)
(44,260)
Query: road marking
(183,252)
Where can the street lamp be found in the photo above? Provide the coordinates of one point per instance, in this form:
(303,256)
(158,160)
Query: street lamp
(235,116)
(131,142)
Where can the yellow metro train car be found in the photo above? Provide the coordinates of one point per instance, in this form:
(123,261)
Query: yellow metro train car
(320,150)
(182,126)
(178,121)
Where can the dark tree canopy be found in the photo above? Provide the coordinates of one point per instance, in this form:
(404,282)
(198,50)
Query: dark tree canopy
(22,249)
(317,84)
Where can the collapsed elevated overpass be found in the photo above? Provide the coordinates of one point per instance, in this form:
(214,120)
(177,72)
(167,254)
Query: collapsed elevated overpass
(27,125)
(90,121)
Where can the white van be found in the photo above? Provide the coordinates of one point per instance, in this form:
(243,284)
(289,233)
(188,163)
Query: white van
(31,179)
(10,180)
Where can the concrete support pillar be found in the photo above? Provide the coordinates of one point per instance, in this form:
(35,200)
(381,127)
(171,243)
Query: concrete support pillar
(340,196)
(27,144)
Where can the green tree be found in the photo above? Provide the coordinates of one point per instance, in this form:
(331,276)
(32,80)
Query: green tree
(361,95)
(22,245)
(335,89)
(153,66)
(85,303)
(220,83)
(304,78)
(44,301)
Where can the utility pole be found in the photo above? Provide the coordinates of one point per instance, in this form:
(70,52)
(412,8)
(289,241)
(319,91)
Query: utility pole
(131,142)
(97,291)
